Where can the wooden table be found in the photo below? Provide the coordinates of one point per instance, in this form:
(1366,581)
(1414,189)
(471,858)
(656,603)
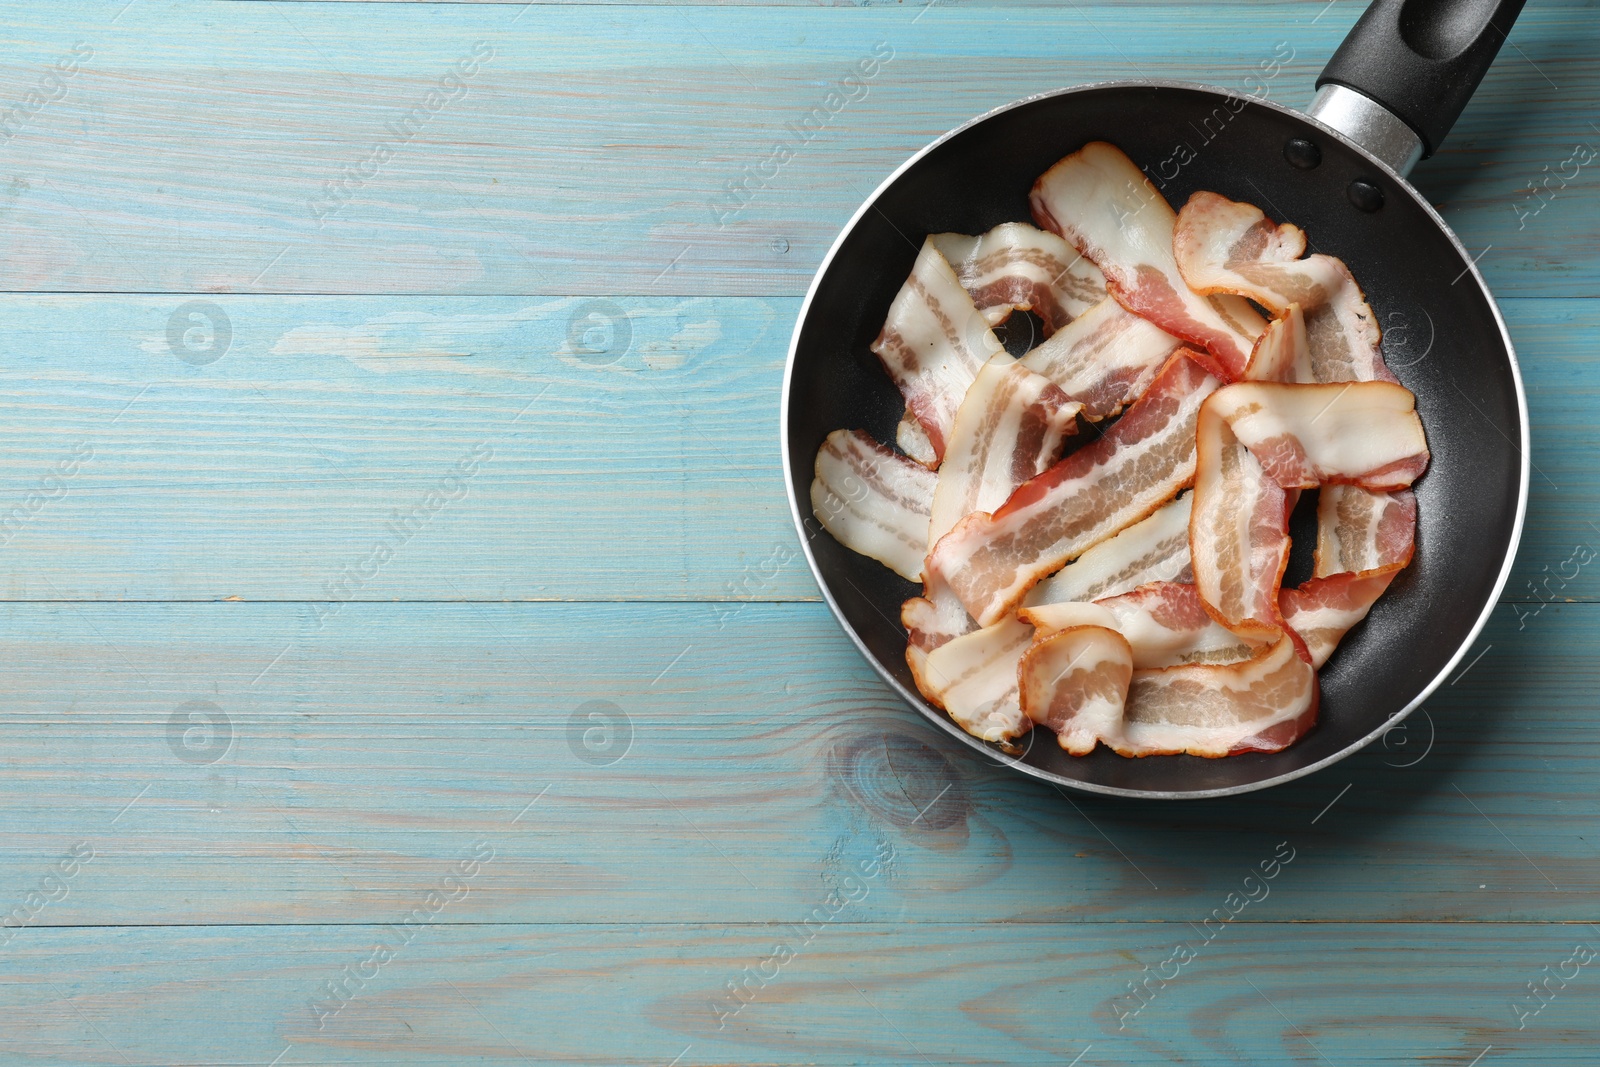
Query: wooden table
(407,658)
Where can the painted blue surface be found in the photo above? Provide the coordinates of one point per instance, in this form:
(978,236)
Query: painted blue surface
(572,765)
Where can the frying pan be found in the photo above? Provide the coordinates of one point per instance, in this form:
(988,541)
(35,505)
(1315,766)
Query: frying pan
(1386,100)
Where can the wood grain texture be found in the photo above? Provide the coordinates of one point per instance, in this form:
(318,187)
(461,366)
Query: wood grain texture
(994,993)
(586,154)
(747,750)
(334,553)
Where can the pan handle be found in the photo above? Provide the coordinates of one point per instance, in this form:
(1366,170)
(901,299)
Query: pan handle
(1415,61)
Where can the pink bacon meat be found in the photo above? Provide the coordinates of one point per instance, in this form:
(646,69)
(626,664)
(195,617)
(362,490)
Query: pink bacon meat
(1223,246)
(1082,682)
(990,561)
(1359,530)
(1254,441)
(1017,267)
(933,344)
(1262,704)
(1075,683)
(1357,433)
(974,678)
(1322,610)
(873,501)
(1104,359)
(1012,426)
(1101,202)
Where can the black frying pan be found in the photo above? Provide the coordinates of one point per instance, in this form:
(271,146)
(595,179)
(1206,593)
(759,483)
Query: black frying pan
(1388,97)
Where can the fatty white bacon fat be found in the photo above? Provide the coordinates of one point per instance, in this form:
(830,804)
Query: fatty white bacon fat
(1282,352)
(1223,246)
(1104,359)
(1357,433)
(1165,625)
(933,344)
(1150,674)
(1017,267)
(974,678)
(1360,530)
(873,501)
(990,561)
(1012,425)
(1101,202)
(1255,440)
(1155,549)
(1075,682)
(1262,704)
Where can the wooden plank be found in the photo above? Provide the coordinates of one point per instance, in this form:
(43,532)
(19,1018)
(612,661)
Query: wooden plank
(281,773)
(847,992)
(192,149)
(626,449)
(498,447)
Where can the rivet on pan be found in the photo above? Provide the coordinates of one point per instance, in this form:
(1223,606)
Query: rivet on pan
(1365,195)
(1302,153)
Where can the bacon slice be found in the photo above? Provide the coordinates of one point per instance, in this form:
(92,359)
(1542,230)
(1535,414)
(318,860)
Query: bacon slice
(1011,426)
(1223,246)
(873,501)
(1262,704)
(1151,550)
(1017,267)
(1097,199)
(1165,624)
(1238,531)
(974,678)
(913,440)
(1356,433)
(1359,530)
(1282,352)
(1105,358)
(1081,682)
(991,561)
(1323,610)
(1074,682)
(1254,440)
(933,344)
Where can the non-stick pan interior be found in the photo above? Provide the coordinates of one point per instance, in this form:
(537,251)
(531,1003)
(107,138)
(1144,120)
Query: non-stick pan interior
(1442,338)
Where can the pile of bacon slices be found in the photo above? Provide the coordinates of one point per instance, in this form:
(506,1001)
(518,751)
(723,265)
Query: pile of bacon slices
(1131,592)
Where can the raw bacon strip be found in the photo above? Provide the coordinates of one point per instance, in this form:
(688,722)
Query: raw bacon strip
(1238,531)
(1164,623)
(933,619)
(1011,426)
(1074,682)
(1167,625)
(1047,619)
(974,678)
(991,561)
(1359,530)
(1017,267)
(1097,199)
(1152,550)
(933,344)
(873,501)
(1323,610)
(1355,433)
(1105,358)
(913,440)
(1262,704)
(1282,352)
(1223,246)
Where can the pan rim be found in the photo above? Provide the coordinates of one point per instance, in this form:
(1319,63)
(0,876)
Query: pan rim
(943,720)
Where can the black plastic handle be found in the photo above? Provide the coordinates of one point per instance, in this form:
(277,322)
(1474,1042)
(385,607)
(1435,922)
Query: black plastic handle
(1422,59)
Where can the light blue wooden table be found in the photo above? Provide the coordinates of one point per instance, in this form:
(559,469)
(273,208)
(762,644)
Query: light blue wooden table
(406,657)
